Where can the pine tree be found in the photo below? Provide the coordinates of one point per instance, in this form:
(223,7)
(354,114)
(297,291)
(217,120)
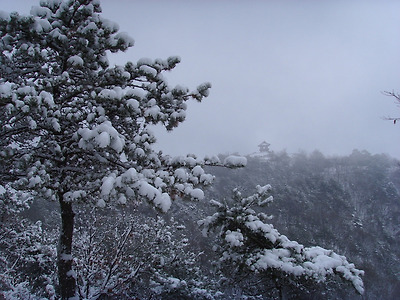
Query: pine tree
(248,243)
(75,129)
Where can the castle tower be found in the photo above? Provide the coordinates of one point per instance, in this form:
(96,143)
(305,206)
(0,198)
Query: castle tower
(264,147)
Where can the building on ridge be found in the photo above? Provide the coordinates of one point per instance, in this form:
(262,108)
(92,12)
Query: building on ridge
(264,147)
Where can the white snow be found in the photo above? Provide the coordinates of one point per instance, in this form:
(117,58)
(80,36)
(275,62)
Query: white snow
(206,179)
(2,190)
(104,135)
(212,160)
(267,229)
(86,133)
(41,25)
(181,89)
(148,190)
(174,282)
(125,39)
(111,93)
(130,175)
(159,183)
(148,70)
(103,139)
(100,110)
(123,157)
(234,161)
(108,185)
(26,90)
(197,171)
(109,25)
(140,152)
(133,104)
(263,189)
(204,89)
(74,195)
(32,124)
(101,203)
(181,174)
(234,238)
(316,262)
(75,60)
(153,111)
(122,199)
(46,98)
(90,27)
(196,194)
(190,161)
(163,201)
(5,90)
(40,11)
(56,125)
(144,61)
(35,180)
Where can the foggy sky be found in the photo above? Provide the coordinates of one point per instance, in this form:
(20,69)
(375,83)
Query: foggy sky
(301,75)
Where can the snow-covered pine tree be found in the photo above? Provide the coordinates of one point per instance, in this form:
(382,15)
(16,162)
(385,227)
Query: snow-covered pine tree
(75,129)
(249,243)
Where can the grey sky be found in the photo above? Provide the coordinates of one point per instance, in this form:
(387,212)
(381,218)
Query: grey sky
(298,74)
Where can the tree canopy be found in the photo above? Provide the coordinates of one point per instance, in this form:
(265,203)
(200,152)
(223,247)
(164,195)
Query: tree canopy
(75,129)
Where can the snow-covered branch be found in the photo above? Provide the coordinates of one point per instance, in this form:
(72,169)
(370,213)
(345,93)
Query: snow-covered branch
(246,239)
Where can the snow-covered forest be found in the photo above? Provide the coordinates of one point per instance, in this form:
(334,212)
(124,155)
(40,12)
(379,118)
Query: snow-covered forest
(90,210)
(350,204)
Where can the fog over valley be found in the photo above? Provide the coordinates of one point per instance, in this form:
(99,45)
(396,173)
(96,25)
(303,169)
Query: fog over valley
(302,76)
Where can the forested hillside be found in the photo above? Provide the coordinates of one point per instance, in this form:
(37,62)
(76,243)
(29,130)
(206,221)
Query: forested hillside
(349,204)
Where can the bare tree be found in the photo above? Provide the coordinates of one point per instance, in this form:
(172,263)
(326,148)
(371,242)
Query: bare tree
(397,100)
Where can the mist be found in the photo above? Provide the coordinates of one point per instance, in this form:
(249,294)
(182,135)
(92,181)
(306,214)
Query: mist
(301,76)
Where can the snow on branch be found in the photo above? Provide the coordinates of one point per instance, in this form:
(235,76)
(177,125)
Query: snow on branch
(245,238)
(397,100)
(234,161)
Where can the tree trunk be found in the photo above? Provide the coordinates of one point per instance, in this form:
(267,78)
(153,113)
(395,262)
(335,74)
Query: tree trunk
(66,276)
(279,287)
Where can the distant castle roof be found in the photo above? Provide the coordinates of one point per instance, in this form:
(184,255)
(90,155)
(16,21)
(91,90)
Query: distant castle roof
(264,146)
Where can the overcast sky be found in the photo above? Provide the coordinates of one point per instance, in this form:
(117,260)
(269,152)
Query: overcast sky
(301,75)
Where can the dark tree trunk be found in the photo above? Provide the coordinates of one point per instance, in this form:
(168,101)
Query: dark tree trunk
(66,276)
